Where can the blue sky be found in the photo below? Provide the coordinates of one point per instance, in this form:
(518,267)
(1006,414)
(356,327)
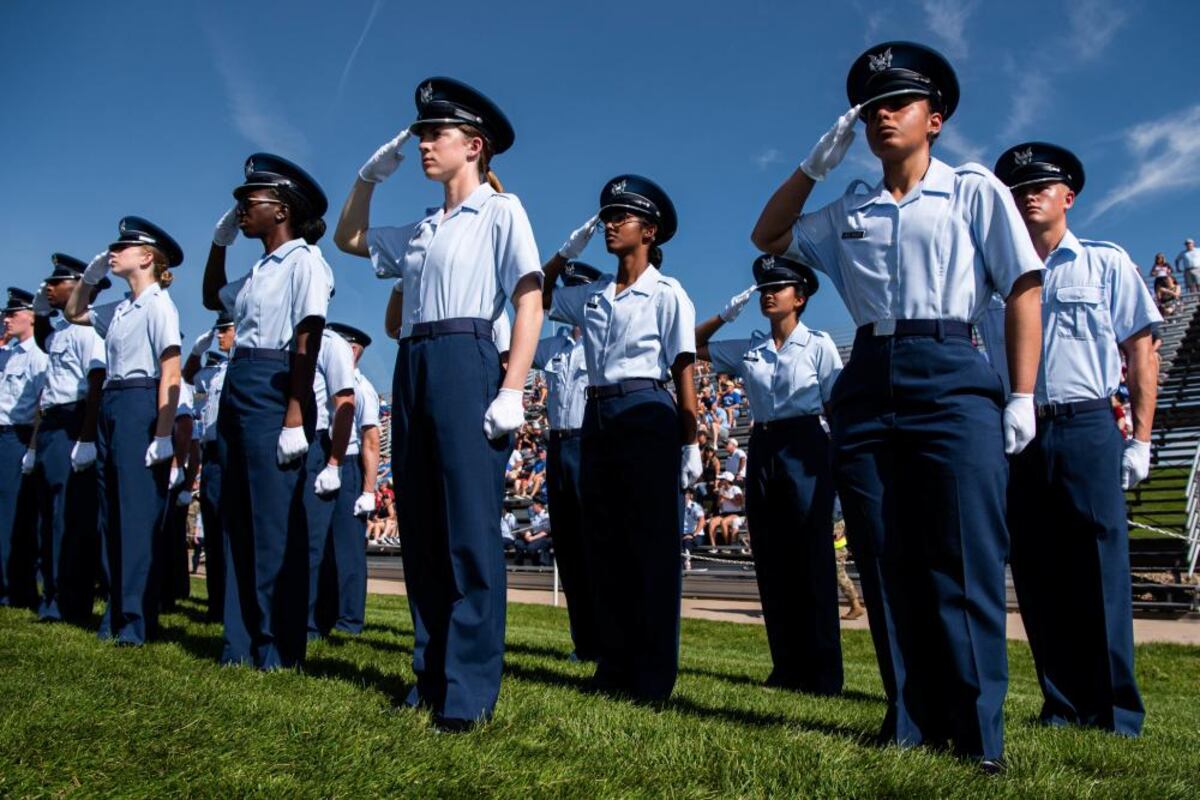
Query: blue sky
(150,108)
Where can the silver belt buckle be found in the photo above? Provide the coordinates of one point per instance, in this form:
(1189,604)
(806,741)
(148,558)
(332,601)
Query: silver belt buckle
(884,327)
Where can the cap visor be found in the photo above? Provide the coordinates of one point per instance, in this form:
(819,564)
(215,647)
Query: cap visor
(894,93)
(769,284)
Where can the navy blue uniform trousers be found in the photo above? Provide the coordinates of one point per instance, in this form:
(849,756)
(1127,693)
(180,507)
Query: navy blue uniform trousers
(176,581)
(450,496)
(342,593)
(266,541)
(566,531)
(632,515)
(1070,567)
(214,532)
(789,505)
(920,468)
(132,500)
(67,508)
(318,516)
(18,521)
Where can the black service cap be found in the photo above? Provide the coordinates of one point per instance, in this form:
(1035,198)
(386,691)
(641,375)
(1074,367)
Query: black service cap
(1039,162)
(350,333)
(641,196)
(138,230)
(896,68)
(577,273)
(445,101)
(18,300)
(777,270)
(267,171)
(69,268)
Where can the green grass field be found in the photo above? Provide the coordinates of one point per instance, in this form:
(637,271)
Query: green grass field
(79,718)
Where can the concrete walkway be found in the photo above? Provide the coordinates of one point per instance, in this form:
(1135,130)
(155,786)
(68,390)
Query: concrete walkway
(1178,631)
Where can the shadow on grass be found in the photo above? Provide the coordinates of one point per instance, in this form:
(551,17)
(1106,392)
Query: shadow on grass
(392,686)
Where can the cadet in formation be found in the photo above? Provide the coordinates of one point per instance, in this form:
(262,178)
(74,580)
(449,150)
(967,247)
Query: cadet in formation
(789,374)
(919,423)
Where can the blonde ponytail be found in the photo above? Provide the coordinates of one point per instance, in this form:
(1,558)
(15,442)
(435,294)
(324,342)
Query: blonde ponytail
(494,181)
(161,272)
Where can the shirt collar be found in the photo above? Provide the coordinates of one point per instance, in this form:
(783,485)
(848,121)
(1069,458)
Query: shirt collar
(150,291)
(800,336)
(939,179)
(646,282)
(473,203)
(285,249)
(24,346)
(1069,244)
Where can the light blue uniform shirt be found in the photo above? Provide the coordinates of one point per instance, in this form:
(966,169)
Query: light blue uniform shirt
(635,334)
(137,331)
(208,382)
(562,359)
(458,264)
(74,351)
(939,253)
(187,401)
(502,333)
(692,513)
(334,374)
(1093,298)
(23,367)
(794,381)
(282,289)
(366,411)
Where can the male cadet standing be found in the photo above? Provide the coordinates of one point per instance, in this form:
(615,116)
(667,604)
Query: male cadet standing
(23,368)
(561,358)
(65,475)
(1066,510)
(342,588)
(208,380)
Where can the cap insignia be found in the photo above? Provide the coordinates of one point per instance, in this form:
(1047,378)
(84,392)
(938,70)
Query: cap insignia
(1024,157)
(769,262)
(617,188)
(882,61)
(426,93)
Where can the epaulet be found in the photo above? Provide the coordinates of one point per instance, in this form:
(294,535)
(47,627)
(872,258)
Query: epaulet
(971,168)
(855,185)
(1098,244)
(667,280)
(821,334)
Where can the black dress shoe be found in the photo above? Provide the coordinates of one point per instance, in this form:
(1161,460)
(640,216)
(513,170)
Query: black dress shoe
(993,766)
(451,725)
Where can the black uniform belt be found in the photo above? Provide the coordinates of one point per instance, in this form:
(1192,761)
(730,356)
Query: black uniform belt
(62,411)
(17,428)
(788,423)
(116,384)
(624,387)
(557,435)
(1052,410)
(261,353)
(479,328)
(937,328)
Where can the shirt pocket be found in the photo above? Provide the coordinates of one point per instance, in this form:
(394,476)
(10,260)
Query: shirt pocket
(1080,313)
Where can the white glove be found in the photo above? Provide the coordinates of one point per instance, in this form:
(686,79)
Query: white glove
(184,499)
(505,414)
(292,444)
(1020,423)
(28,460)
(736,303)
(159,450)
(226,231)
(83,455)
(328,481)
(1135,463)
(579,238)
(203,342)
(41,302)
(831,148)
(97,268)
(385,161)
(176,478)
(690,469)
(365,504)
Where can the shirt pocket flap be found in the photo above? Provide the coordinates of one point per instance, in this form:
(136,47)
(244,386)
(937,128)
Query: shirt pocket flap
(1092,295)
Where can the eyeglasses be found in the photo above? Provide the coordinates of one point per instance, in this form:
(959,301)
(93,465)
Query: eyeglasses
(615,219)
(245,203)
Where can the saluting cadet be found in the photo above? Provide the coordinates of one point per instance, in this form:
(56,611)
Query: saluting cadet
(23,367)
(1066,508)
(919,423)
(562,359)
(639,332)
(208,381)
(266,418)
(135,456)
(66,450)
(788,373)
(453,412)
(342,596)
(333,390)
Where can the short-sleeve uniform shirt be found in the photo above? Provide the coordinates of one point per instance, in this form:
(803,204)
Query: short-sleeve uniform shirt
(563,360)
(282,289)
(137,331)
(794,380)
(635,334)
(74,351)
(23,368)
(461,263)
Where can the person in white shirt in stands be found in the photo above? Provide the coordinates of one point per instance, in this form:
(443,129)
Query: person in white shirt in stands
(735,460)
(534,542)
(1188,262)
(693,526)
(731,504)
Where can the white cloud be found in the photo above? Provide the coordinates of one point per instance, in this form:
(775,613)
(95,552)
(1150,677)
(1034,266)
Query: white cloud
(947,19)
(362,37)
(767,157)
(1167,156)
(1092,24)
(875,20)
(960,147)
(1031,97)
(254,114)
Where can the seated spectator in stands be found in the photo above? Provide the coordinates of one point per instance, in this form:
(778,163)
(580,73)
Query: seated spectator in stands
(508,524)
(385,527)
(534,542)
(735,460)
(731,401)
(1122,420)
(1161,266)
(723,526)
(1167,293)
(693,527)
(710,464)
(537,477)
(513,473)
